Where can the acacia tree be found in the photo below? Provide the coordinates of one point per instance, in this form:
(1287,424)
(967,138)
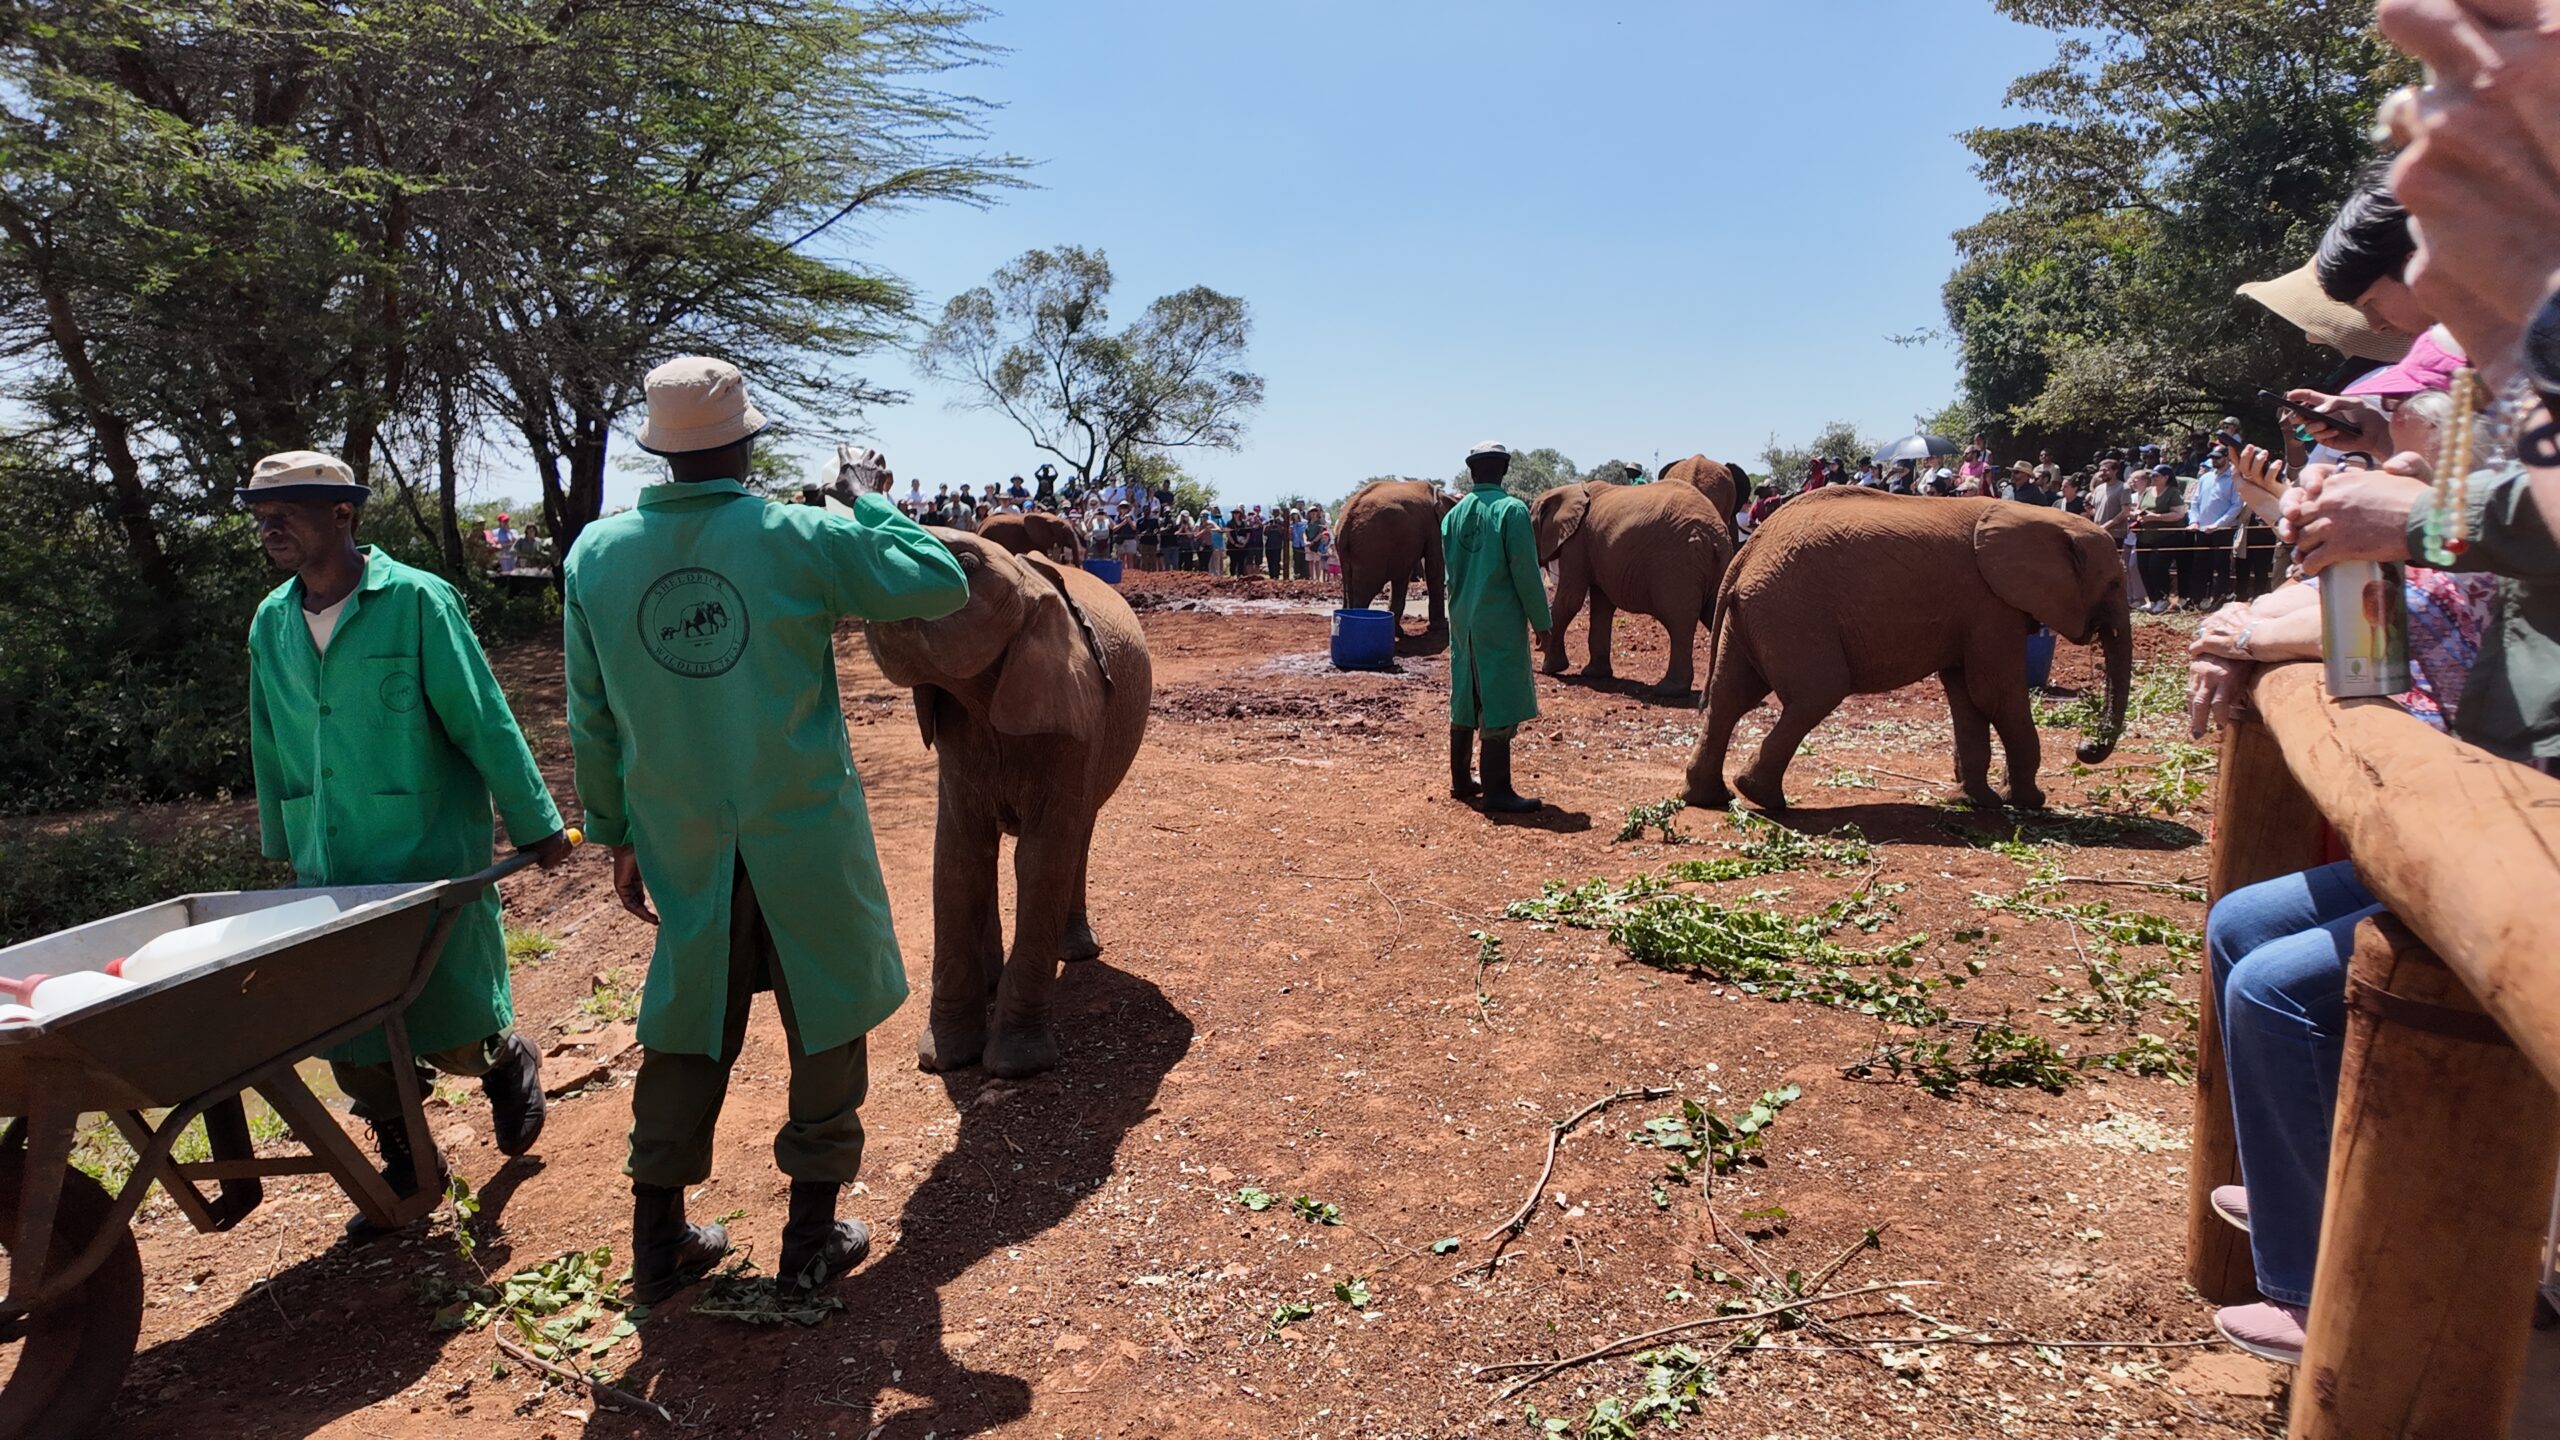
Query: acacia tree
(229,227)
(700,194)
(1035,345)
(2174,149)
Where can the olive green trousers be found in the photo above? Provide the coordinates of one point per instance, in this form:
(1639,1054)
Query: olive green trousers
(375,1091)
(676,1099)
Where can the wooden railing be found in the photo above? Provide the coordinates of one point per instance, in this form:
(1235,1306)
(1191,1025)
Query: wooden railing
(2447,1131)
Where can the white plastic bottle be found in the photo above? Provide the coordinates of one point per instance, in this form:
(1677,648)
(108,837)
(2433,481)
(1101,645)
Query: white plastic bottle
(51,995)
(214,941)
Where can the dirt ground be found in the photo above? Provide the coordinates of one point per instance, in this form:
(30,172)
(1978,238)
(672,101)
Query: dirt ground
(1289,1002)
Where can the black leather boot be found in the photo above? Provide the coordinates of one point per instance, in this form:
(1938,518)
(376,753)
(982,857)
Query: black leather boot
(1462,764)
(666,1253)
(817,1247)
(514,1088)
(399,1171)
(1499,797)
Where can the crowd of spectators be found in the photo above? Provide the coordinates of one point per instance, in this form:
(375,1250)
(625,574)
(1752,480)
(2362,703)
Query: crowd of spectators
(2190,543)
(1146,528)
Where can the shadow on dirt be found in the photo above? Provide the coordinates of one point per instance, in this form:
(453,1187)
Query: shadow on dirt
(1027,1154)
(1901,822)
(296,1332)
(1551,819)
(1641,691)
(1428,642)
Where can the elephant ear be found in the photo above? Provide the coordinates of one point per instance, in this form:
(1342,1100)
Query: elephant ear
(1559,513)
(2034,561)
(1053,683)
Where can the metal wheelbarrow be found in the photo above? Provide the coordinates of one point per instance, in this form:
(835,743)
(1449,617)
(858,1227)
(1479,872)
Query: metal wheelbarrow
(191,1044)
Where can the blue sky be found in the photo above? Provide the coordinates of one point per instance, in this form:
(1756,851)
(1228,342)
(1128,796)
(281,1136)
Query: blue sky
(1617,229)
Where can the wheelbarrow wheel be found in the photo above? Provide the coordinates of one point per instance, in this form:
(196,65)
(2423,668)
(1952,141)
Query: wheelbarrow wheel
(72,1354)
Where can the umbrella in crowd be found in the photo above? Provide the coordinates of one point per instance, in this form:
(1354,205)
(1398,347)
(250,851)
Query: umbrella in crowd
(1918,447)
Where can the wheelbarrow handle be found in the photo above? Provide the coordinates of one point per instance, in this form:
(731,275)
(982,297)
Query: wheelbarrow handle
(515,861)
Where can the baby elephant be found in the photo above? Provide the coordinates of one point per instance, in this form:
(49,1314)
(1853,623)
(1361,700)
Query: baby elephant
(1035,694)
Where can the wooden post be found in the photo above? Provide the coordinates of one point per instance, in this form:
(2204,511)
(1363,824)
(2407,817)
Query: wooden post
(2263,826)
(2439,1183)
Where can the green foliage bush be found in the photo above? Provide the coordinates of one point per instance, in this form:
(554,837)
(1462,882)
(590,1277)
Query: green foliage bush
(58,878)
(112,695)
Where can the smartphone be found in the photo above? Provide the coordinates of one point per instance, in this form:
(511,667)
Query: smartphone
(2308,415)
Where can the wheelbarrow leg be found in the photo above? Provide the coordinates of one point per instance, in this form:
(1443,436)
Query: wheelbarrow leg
(413,1113)
(320,1133)
(49,1124)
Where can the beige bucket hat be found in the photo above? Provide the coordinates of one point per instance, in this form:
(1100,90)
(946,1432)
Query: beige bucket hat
(303,475)
(2297,296)
(1490,448)
(697,403)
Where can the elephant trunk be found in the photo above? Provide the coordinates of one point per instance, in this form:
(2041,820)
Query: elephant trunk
(2115,637)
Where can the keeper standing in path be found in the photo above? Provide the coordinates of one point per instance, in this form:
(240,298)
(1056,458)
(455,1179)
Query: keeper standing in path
(1496,596)
(377,736)
(711,756)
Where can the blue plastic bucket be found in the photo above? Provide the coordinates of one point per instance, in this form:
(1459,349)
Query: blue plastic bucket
(1364,640)
(1106,571)
(2039,659)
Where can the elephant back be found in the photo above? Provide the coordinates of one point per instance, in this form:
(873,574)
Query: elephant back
(1723,485)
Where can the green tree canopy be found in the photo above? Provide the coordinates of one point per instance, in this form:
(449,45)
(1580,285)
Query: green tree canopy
(229,227)
(2173,149)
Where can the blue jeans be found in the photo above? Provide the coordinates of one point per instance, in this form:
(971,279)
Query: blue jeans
(2280,951)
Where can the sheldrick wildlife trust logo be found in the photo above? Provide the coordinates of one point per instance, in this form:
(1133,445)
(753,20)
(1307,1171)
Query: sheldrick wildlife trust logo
(694,622)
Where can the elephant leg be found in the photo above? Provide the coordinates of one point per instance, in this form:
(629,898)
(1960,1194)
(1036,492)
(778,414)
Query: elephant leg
(1734,689)
(1572,587)
(1435,576)
(1021,1042)
(965,930)
(1396,592)
(1996,677)
(1080,942)
(1973,741)
(1764,784)
(1602,638)
(1682,627)
(1360,587)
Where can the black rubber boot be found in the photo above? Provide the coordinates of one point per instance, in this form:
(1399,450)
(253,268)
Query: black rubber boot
(666,1253)
(399,1171)
(1462,764)
(1499,797)
(817,1248)
(514,1088)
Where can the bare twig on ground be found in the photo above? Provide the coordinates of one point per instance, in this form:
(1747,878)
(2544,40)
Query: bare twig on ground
(604,1394)
(1996,1342)
(1870,1240)
(1914,779)
(2166,887)
(1540,1370)
(1398,938)
(1519,1220)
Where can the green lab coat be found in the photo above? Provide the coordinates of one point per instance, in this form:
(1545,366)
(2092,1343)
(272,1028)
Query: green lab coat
(703,710)
(1495,597)
(375,764)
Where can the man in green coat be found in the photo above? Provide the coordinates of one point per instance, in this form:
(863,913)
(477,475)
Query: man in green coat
(377,736)
(1496,597)
(711,756)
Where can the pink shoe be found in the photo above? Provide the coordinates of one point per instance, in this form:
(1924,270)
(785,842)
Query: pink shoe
(2269,1330)
(2231,1202)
